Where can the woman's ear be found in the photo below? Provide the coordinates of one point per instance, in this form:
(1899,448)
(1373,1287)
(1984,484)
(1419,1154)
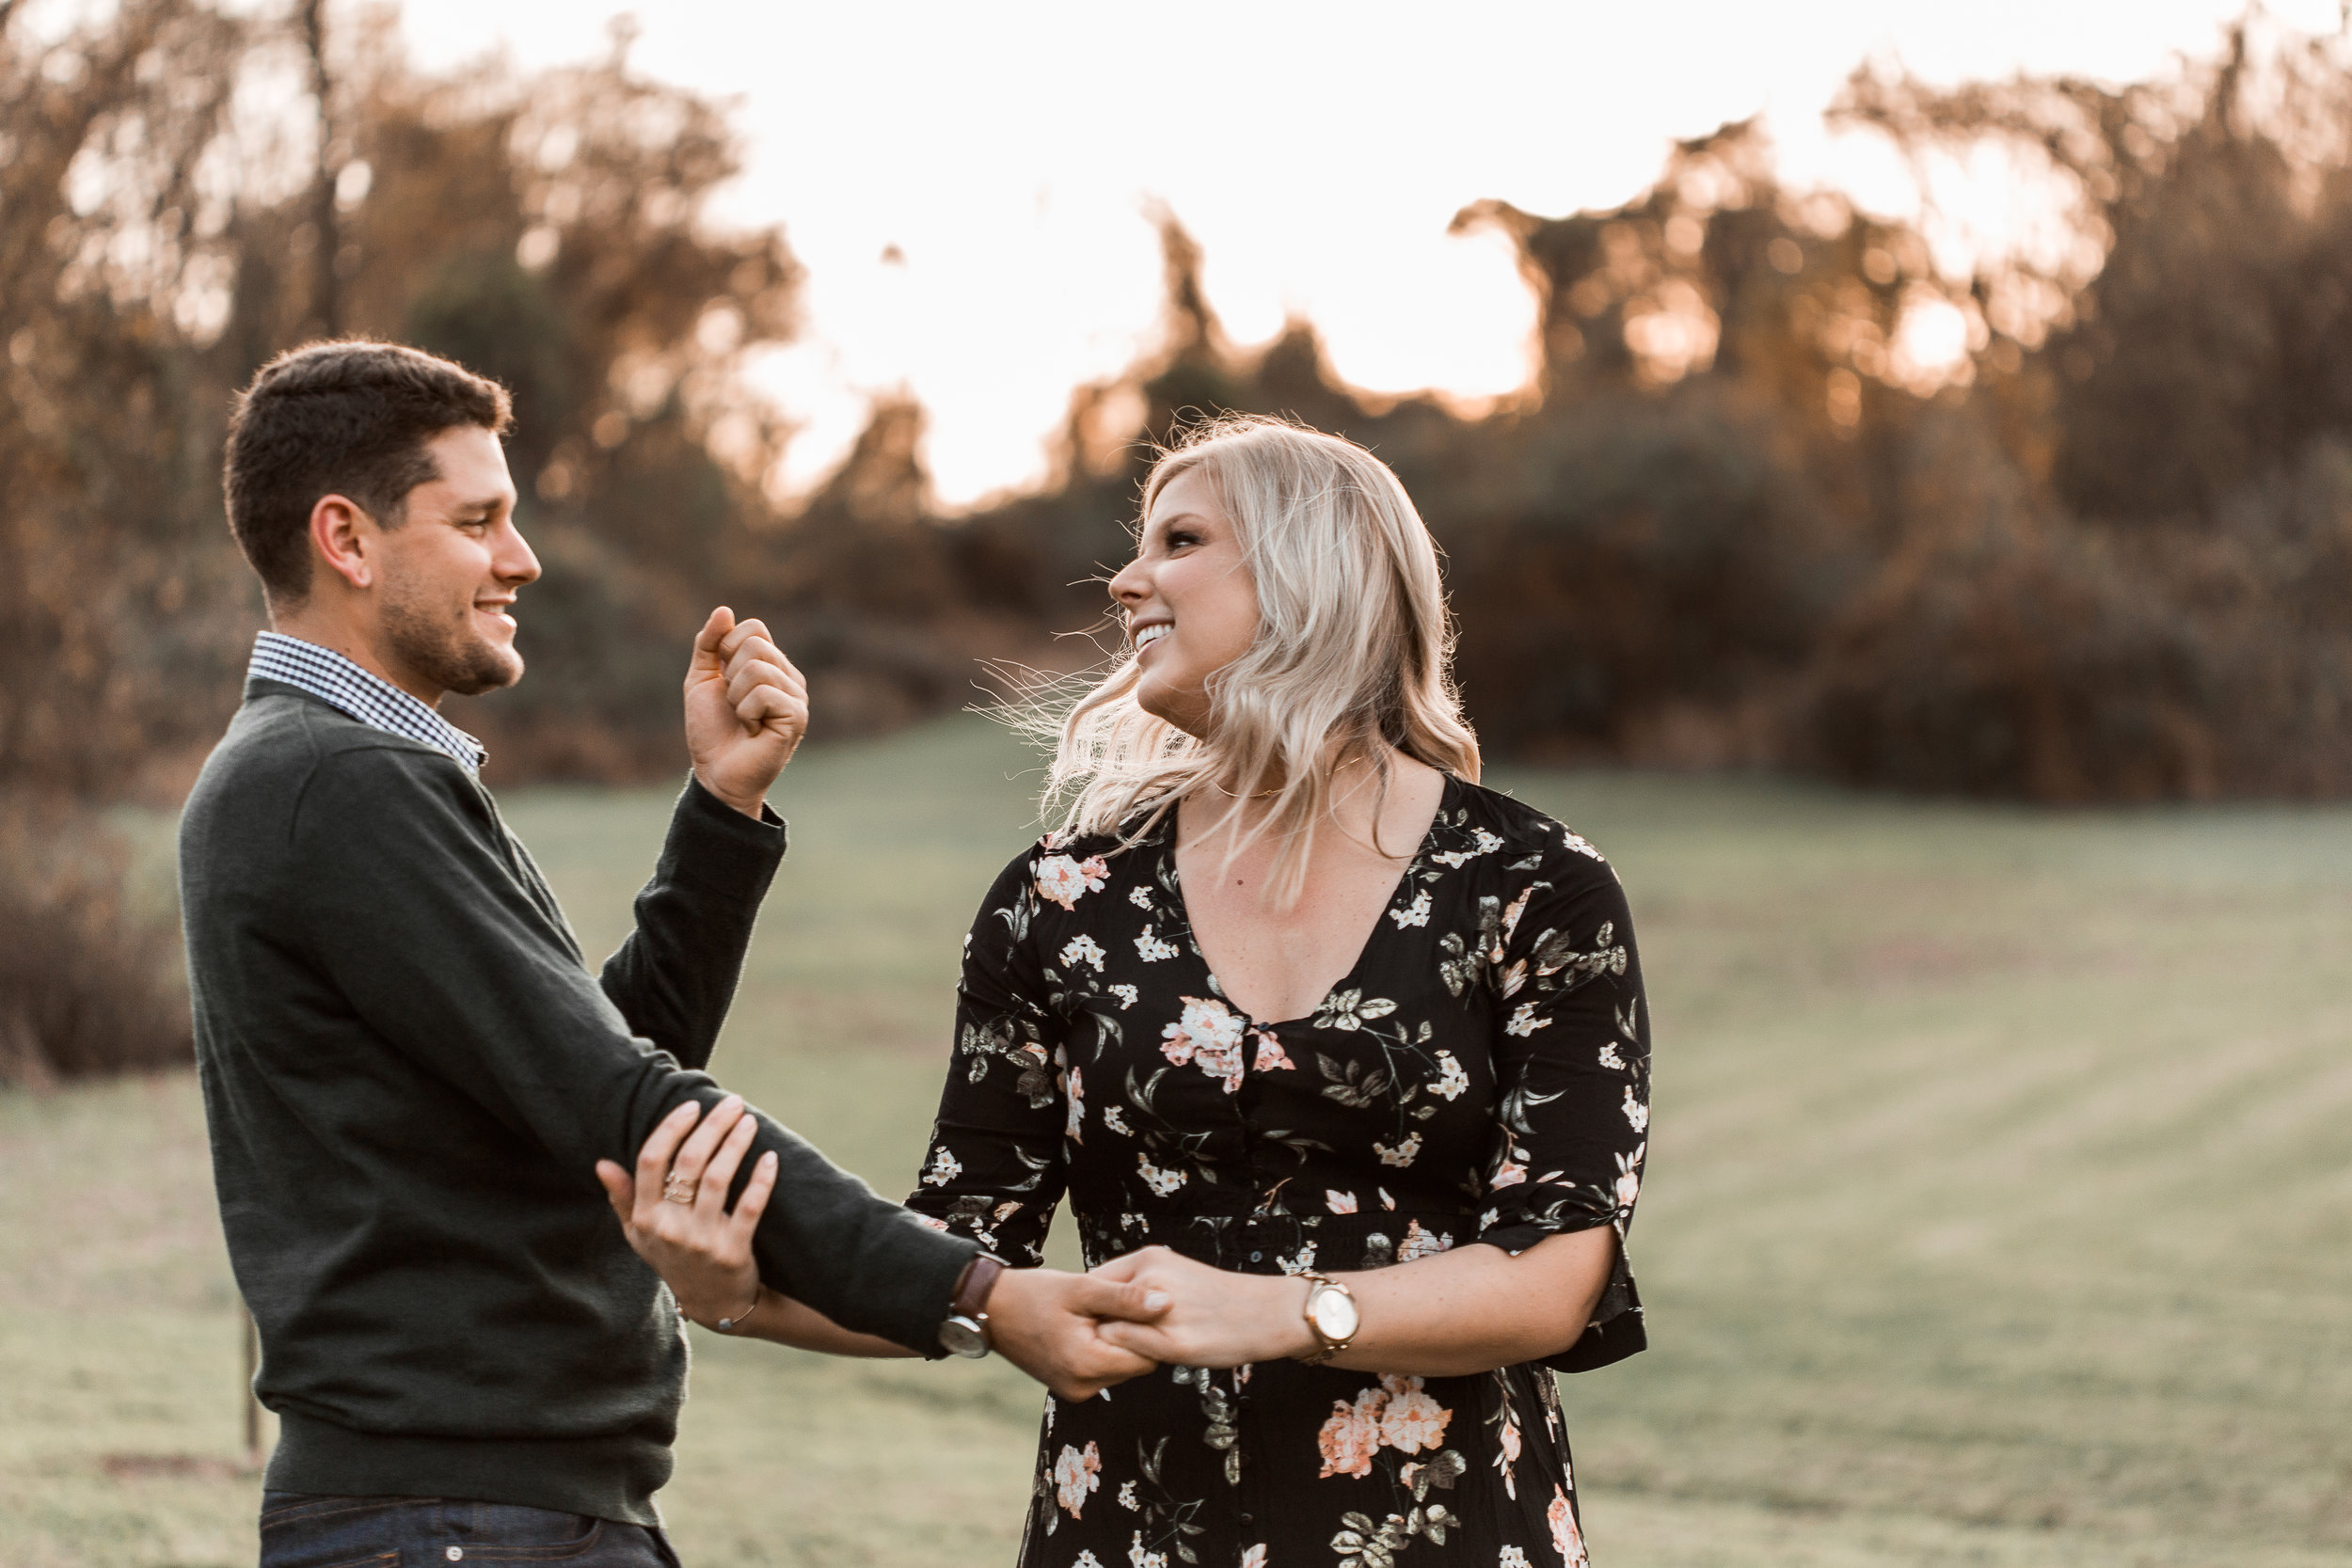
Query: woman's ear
(344,537)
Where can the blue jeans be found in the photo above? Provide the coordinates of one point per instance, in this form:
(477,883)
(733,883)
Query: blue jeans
(300,1529)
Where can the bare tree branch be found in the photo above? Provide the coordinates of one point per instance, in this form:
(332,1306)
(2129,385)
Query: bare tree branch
(326,291)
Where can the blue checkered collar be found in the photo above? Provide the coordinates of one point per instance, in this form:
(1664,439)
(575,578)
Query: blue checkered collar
(374,700)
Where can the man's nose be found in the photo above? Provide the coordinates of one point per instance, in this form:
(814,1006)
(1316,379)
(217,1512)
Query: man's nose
(515,563)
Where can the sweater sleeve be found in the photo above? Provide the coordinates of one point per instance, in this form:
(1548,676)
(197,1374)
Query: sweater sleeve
(674,976)
(419,912)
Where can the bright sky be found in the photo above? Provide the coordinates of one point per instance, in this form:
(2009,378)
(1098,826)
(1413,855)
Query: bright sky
(1011,153)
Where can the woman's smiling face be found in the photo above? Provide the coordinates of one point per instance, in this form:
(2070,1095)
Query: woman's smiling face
(1190,606)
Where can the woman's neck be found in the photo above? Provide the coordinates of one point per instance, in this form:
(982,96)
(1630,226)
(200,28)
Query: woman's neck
(1363,785)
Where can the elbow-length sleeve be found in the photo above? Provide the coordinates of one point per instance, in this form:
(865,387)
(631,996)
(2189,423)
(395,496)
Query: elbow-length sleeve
(994,1169)
(1572,1073)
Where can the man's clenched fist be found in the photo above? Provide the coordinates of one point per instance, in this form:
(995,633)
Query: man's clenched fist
(746,709)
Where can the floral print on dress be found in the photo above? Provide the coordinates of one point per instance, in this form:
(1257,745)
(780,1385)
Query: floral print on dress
(1208,1037)
(1480,1076)
(1076,1474)
(1269,1056)
(1566,1539)
(1065,880)
(1452,1080)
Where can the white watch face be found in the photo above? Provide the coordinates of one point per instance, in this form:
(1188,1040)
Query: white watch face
(1333,1312)
(960,1336)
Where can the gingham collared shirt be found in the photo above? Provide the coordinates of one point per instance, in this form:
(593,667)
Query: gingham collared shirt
(334,679)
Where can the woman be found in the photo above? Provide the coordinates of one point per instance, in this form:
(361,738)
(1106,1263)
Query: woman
(1346,1053)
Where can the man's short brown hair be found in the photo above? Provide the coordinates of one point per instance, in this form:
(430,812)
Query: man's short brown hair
(349,417)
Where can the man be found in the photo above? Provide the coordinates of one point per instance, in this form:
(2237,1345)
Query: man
(410,1073)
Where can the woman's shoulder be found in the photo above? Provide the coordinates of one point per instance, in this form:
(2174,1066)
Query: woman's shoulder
(1140,831)
(1518,836)
(1064,864)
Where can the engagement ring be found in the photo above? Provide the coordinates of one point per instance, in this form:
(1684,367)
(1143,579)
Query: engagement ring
(678,1189)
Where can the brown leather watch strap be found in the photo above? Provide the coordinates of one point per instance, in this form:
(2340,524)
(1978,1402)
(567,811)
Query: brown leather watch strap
(973,1286)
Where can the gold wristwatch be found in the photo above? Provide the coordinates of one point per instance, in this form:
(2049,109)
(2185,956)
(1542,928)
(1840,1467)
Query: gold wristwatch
(1331,1316)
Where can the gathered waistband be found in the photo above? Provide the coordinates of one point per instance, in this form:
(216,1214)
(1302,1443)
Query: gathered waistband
(1280,1244)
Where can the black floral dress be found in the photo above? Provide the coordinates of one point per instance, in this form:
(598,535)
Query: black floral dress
(1481,1075)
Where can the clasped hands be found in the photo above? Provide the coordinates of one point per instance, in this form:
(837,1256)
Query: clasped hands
(1076,1334)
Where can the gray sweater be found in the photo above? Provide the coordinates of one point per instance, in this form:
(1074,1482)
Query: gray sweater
(410,1074)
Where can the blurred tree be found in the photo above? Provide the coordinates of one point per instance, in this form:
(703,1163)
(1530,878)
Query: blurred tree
(1707,475)
(547,231)
(110,242)
(552,233)
(326,255)
(113,241)
(2154,604)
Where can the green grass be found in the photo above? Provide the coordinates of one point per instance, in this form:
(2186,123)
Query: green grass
(1999,1212)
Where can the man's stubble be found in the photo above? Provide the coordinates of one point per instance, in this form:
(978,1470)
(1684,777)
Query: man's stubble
(445,649)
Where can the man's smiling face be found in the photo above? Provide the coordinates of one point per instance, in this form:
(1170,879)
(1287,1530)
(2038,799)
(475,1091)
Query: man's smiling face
(452,569)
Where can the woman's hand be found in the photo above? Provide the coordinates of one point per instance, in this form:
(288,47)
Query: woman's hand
(1470,1310)
(1216,1318)
(674,1209)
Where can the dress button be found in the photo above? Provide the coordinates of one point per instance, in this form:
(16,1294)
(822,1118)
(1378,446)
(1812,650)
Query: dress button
(1248,1520)
(1257,1257)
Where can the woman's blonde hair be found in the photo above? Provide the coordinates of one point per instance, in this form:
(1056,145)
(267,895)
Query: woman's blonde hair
(1353,647)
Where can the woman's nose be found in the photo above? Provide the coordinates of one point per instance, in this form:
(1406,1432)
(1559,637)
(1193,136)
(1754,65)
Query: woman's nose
(1130,587)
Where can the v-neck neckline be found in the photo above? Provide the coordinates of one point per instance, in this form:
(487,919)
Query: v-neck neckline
(1388,907)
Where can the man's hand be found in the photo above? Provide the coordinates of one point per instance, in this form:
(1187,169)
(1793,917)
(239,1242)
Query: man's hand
(1048,1324)
(1216,1318)
(746,709)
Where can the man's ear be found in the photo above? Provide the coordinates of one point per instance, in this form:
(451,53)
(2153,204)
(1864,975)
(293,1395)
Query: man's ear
(344,537)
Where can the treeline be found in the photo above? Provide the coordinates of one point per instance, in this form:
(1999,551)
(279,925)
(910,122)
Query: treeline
(157,243)
(2106,555)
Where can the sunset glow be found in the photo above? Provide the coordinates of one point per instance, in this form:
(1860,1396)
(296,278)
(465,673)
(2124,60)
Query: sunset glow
(972,190)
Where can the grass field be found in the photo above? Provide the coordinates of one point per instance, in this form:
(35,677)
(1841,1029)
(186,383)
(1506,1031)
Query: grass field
(1999,1210)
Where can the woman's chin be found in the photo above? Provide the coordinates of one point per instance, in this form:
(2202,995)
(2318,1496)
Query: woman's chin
(1183,709)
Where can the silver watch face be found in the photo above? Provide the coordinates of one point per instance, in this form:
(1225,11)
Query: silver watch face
(960,1336)
(1333,1313)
